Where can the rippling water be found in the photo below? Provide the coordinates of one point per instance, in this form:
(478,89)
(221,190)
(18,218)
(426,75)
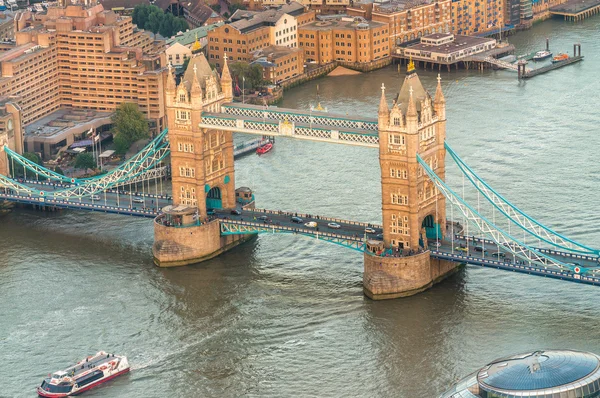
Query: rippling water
(284,315)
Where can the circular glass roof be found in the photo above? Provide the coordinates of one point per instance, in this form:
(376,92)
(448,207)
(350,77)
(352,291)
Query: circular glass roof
(537,370)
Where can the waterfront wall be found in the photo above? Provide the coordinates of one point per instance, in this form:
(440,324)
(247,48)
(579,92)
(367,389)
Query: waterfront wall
(393,277)
(176,246)
(366,66)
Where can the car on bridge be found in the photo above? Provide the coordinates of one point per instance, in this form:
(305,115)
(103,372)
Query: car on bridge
(297,220)
(498,254)
(137,199)
(480,249)
(462,249)
(334,225)
(95,197)
(311,224)
(370,230)
(236,212)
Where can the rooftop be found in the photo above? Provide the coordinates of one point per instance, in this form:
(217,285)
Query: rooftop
(189,37)
(65,121)
(573,7)
(275,52)
(245,21)
(538,370)
(348,23)
(459,43)
(390,7)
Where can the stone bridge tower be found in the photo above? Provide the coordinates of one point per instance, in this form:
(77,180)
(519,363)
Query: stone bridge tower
(411,204)
(414,212)
(202,169)
(201,160)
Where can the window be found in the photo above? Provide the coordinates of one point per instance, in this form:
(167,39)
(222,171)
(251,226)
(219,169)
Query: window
(182,97)
(396,139)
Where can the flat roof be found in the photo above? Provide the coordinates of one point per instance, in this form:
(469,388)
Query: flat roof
(459,43)
(575,6)
(65,121)
(348,23)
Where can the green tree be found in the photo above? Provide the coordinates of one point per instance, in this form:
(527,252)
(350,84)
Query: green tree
(166,25)
(140,15)
(19,170)
(85,161)
(129,125)
(58,170)
(154,20)
(252,73)
(180,25)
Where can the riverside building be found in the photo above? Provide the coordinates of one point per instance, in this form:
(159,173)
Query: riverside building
(539,374)
(80,61)
(348,39)
(407,20)
(250,31)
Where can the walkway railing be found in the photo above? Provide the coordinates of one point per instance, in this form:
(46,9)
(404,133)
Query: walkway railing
(236,227)
(330,219)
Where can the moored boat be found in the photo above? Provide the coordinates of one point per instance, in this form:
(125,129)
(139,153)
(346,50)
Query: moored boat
(264,148)
(560,57)
(86,374)
(541,55)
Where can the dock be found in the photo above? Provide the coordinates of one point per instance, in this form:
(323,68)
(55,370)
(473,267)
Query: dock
(529,73)
(250,146)
(525,73)
(576,10)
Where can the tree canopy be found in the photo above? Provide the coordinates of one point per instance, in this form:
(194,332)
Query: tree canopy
(129,125)
(252,73)
(152,18)
(19,171)
(85,161)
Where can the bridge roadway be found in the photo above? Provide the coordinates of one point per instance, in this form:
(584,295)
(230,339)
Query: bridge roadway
(507,260)
(353,234)
(113,201)
(350,233)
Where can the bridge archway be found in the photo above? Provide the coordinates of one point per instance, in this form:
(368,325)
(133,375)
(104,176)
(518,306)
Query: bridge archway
(214,199)
(432,230)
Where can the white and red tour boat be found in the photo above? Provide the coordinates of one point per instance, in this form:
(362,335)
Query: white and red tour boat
(83,376)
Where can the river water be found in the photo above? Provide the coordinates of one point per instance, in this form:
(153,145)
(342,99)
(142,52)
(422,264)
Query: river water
(285,315)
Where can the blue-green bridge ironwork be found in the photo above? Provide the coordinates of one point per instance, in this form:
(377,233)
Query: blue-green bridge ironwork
(541,251)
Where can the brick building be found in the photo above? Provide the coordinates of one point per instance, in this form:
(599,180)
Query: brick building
(280,63)
(407,20)
(84,57)
(344,39)
(250,31)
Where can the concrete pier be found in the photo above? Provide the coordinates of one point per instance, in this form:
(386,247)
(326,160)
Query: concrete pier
(577,10)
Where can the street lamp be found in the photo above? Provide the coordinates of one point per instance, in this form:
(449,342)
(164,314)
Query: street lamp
(243,89)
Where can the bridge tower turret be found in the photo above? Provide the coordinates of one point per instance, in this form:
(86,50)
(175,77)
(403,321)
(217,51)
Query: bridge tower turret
(202,166)
(413,210)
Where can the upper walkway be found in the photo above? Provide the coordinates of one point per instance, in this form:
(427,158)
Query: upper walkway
(308,125)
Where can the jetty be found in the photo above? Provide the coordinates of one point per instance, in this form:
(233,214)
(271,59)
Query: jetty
(525,73)
(576,10)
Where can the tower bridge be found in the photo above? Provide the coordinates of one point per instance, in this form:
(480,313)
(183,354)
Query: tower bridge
(204,215)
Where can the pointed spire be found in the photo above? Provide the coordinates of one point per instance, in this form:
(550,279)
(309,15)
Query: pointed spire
(196,88)
(383,106)
(412,109)
(225,74)
(170,79)
(439,95)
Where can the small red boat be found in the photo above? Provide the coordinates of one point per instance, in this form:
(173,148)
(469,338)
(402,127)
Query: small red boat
(264,148)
